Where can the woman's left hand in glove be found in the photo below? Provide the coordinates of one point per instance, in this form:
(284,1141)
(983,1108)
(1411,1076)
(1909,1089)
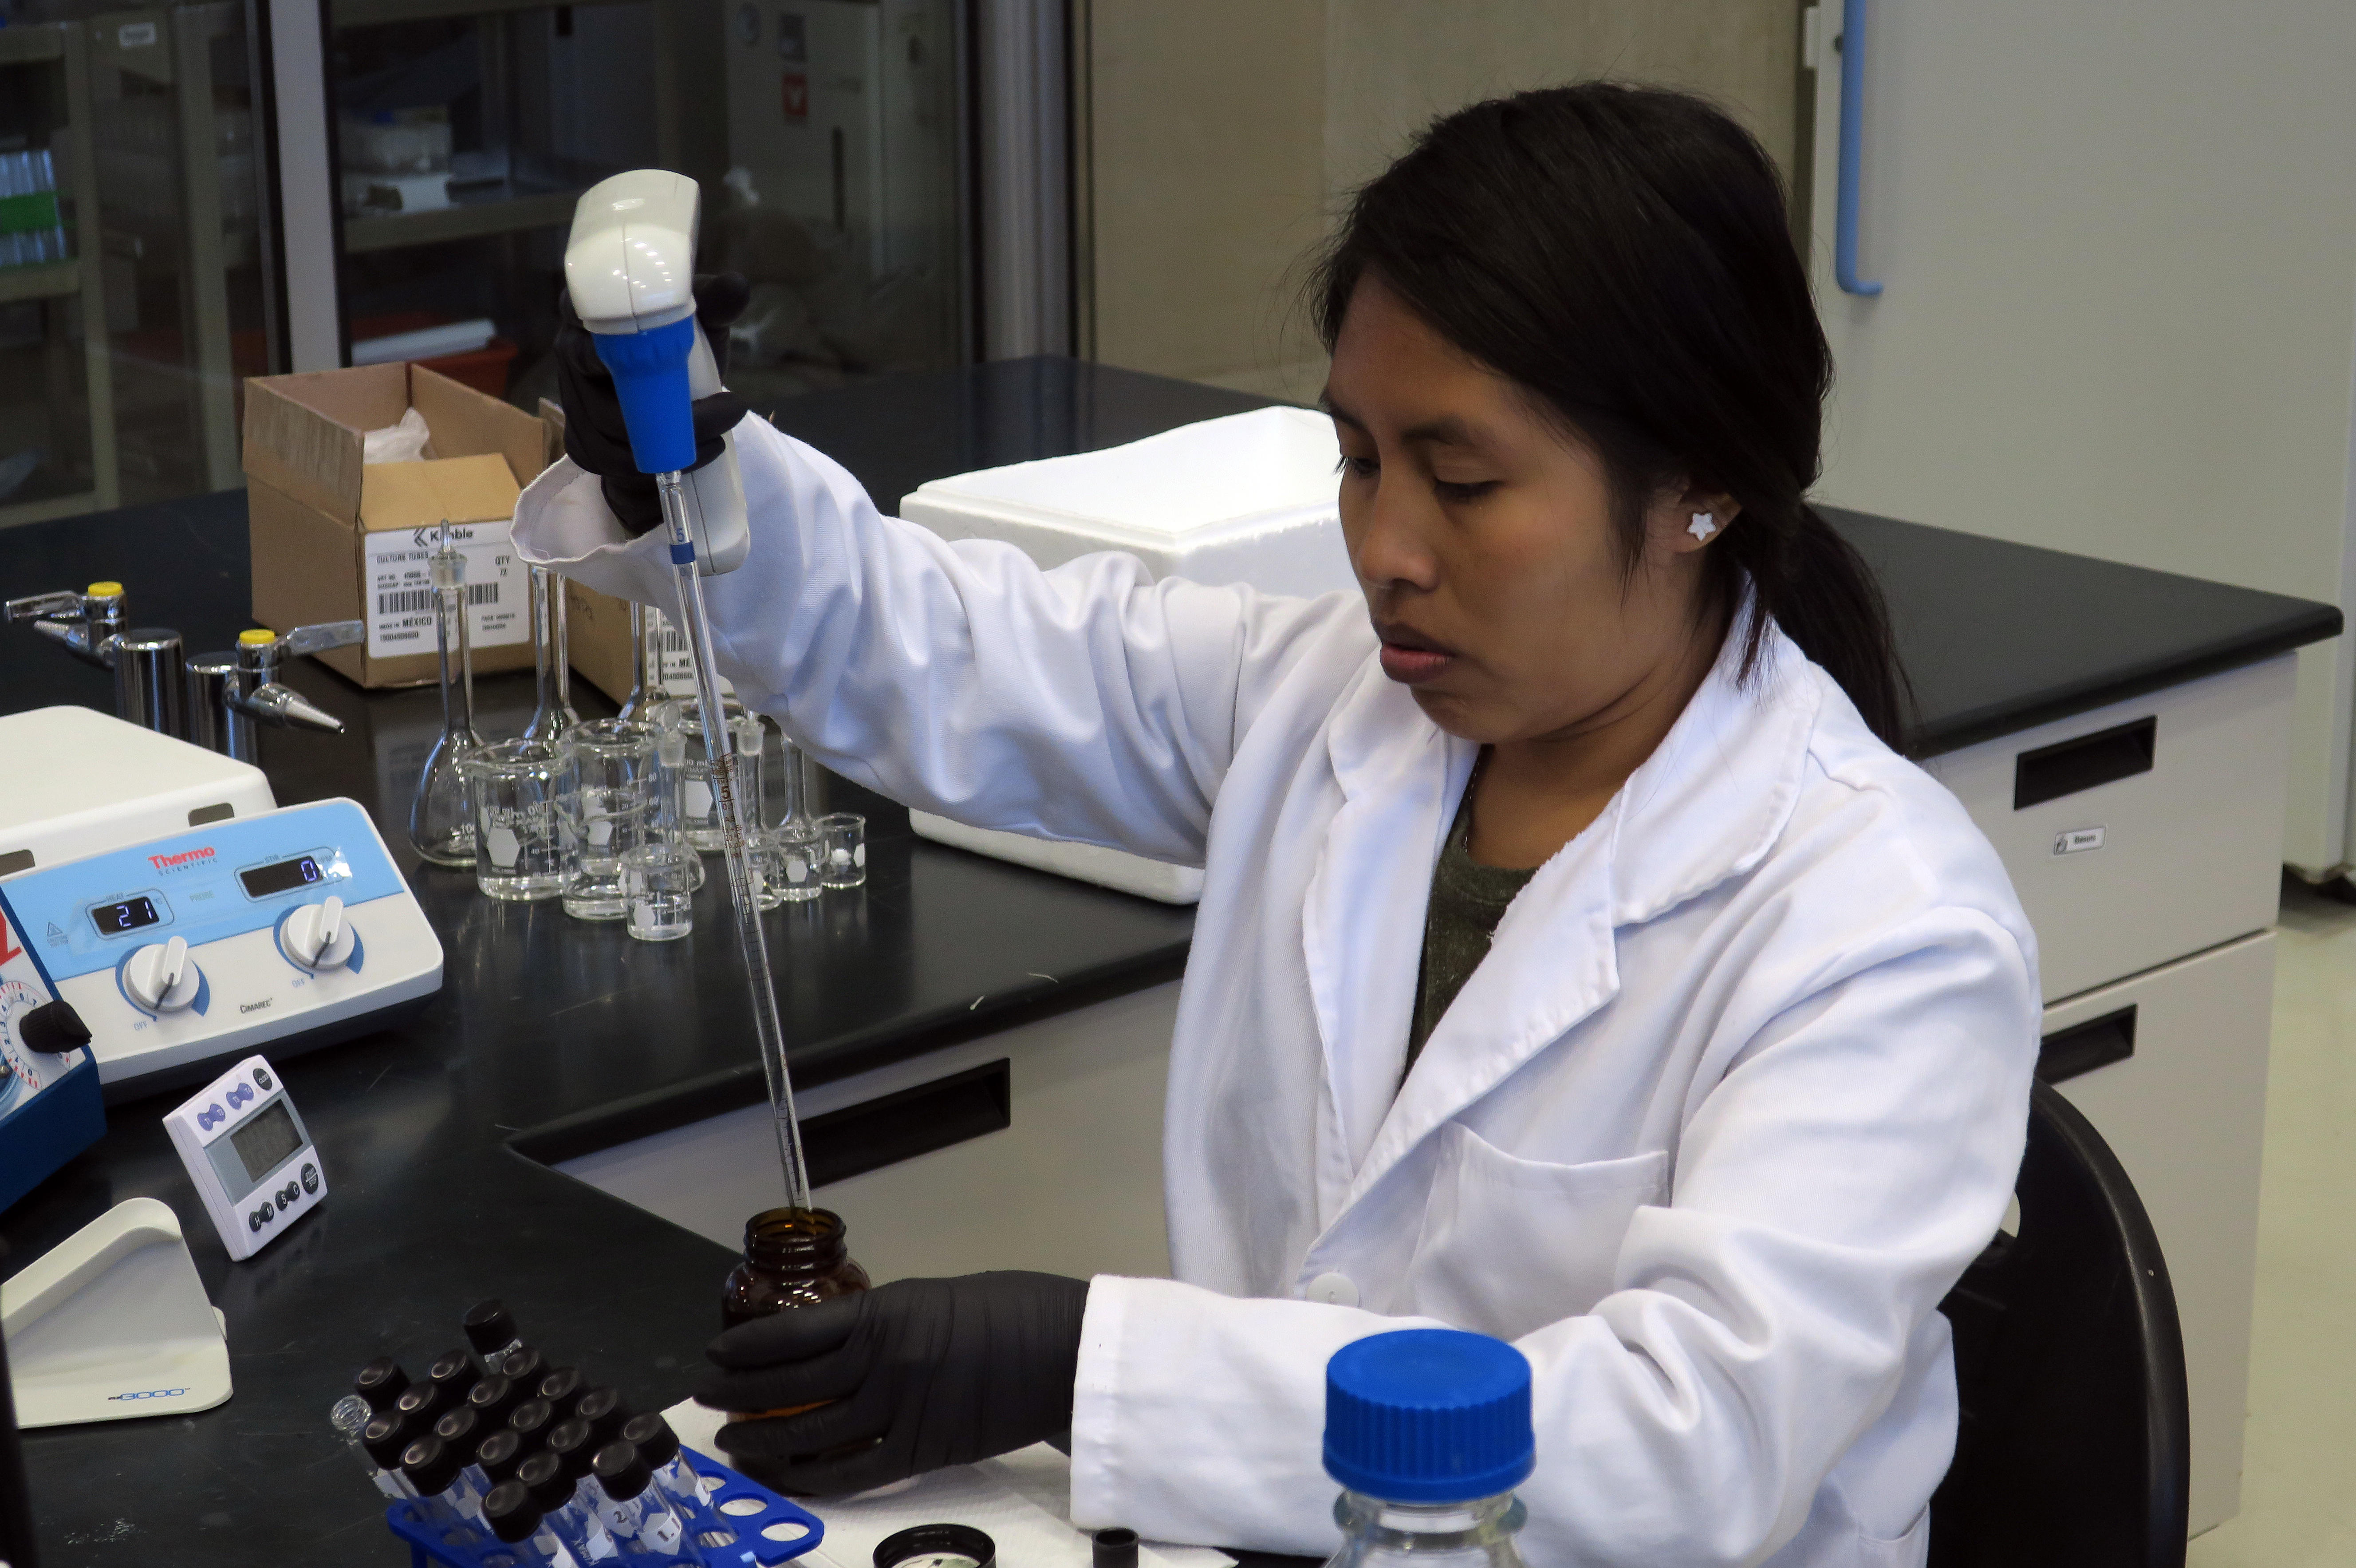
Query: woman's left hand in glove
(914,1375)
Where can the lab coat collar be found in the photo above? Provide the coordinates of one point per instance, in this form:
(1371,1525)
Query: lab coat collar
(1706,805)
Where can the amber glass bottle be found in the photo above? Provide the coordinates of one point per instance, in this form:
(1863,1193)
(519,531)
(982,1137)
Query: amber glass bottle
(793,1257)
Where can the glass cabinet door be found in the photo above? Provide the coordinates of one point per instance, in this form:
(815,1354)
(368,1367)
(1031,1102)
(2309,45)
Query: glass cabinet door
(825,134)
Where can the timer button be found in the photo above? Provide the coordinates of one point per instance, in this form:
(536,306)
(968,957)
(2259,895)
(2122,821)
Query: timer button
(261,1081)
(162,977)
(310,1177)
(316,936)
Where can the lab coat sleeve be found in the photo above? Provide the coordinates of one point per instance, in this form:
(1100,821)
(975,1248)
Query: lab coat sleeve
(1831,1185)
(1086,704)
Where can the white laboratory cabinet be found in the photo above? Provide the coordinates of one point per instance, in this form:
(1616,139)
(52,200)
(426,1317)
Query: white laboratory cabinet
(2141,837)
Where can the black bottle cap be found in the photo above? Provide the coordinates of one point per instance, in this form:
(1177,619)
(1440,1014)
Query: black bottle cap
(494,1399)
(510,1512)
(489,1328)
(603,1409)
(936,1540)
(53,1027)
(456,1372)
(381,1382)
(1115,1546)
(573,1444)
(562,1387)
(657,1443)
(430,1463)
(545,1480)
(458,1428)
(525,1365)
(530,1422)
(617,1465)
(384,1437)
(500,1453)
(420,1404)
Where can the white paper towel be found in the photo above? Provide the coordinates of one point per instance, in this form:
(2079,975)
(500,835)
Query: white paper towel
(1022,1501)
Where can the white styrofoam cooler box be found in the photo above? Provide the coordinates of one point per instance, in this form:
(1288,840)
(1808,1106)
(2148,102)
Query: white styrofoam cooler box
(2142,830)
(1245,498)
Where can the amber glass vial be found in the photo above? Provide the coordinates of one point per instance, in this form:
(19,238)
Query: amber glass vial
(793,1257)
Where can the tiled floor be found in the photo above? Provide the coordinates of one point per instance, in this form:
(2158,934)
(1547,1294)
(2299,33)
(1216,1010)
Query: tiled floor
(2298,1505)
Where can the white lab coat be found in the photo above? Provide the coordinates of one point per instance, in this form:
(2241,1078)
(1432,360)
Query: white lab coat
(1738,1091)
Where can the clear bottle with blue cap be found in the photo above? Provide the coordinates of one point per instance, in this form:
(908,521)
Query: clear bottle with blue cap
(1428,1429)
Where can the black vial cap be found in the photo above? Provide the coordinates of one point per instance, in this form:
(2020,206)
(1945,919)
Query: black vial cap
(573,1444)
(430,1463)
(545,1480)
(510,1512)
(494,1399)
(420,1404)
(525,1365)
(923,1541)
(563,1387)
(381,1382)
(500,1453)
(454,1371)
(603,1409)
(530,1421)
(625,1474)
(384,1437)
(461,1429)
(657,1443)
(489,1328)
(1115,1546)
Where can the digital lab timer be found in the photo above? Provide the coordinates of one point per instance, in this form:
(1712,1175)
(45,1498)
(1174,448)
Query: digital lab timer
(249,1154)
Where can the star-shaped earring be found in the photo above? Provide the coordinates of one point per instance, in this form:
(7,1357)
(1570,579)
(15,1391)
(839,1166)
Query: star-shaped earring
(1702,526)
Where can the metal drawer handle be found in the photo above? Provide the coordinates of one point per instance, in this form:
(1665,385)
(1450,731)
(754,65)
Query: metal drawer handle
(2105,757)
(2081,1048)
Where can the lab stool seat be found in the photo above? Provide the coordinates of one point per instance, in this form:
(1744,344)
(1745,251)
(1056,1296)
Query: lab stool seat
(2074,1446)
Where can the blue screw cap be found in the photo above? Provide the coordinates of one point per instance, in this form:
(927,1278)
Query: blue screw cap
(1429,1415)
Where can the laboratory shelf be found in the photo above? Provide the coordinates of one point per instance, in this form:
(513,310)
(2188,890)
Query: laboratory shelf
(377,13)
(462,220)
(45,280)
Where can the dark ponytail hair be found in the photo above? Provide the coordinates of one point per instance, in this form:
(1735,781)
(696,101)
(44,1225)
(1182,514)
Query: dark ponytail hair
(1623,253)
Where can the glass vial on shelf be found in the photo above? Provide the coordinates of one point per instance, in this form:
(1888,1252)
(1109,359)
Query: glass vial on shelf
(634,1510)
(516,1520)
(551,715)
(490,1329)
(350,1417)
(441,826)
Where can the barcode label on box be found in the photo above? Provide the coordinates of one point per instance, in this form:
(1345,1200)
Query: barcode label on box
(400,588)
(673,659)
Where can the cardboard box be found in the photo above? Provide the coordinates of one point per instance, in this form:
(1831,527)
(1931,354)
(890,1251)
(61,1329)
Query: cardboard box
(336,538)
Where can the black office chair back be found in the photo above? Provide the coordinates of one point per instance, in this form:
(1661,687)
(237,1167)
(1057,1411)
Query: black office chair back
(2074,1448)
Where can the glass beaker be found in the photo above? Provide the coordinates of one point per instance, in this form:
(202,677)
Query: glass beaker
(515,791)
(609,811)
(700,816)
(658,885)
(842,841)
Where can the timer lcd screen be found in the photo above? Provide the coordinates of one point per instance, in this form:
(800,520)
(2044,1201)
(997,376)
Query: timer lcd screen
(266,1139)
(113,920)
(264,880)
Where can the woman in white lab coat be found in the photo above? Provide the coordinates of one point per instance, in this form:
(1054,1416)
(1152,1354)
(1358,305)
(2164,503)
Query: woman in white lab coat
(1577,962)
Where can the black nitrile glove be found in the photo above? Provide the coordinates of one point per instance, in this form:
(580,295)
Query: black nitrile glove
(921,1373)
(597,440)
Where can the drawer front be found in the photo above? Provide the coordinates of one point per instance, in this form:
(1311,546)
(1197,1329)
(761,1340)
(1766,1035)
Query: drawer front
(2142,830)
(2185,1111)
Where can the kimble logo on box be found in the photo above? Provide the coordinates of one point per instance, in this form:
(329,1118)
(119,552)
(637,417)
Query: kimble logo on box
(181,861)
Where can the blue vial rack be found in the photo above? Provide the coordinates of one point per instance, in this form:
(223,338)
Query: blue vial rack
(752,1548)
